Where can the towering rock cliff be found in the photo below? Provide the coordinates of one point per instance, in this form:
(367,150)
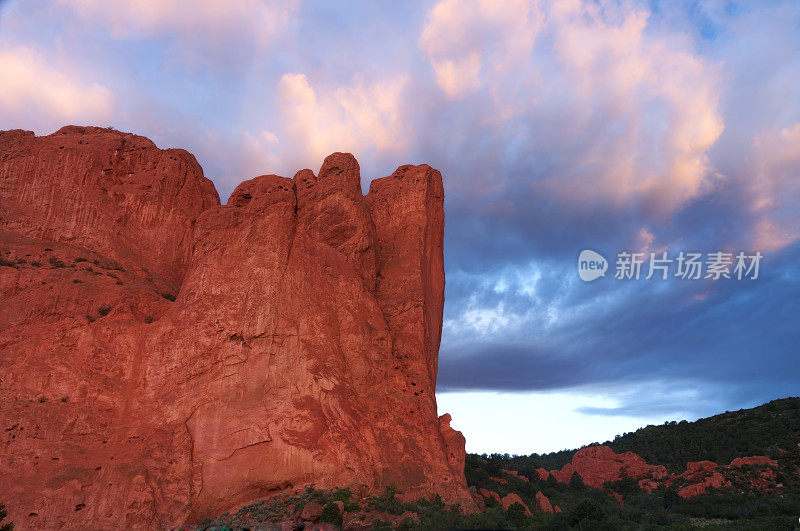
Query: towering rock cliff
(164,358)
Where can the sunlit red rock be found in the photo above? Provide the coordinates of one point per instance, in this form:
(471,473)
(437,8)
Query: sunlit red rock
(301,346)
(514,473)
(700,475)
(599,464)
(512,498)
(486,493)
(756,460)
(543,503)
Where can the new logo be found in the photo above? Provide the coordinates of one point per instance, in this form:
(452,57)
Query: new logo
(591,265)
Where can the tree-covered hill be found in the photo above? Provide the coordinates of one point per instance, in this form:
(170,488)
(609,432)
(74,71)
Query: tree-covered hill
(762,430)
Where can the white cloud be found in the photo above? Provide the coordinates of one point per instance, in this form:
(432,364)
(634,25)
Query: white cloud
(203,30)
(34,93)
(362,116)
(459,37)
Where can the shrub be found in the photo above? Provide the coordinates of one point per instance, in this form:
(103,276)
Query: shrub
(516,514)
(331,514)
(4,262)
(103,310)
(81,259)
(576,481)
(149,319)
(55,262)
(169,296)
(36,263)
(387,502)
(8,526)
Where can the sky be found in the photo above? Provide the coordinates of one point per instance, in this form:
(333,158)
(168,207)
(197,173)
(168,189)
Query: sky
(618,127)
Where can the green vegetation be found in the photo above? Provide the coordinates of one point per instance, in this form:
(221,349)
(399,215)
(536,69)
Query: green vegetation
(772,429)
(762,430)
(56,262)
(331,514)
(103,310)
(8,526)
(169,296)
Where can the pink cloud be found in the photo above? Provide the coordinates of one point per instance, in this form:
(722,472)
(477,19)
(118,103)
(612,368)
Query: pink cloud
(37,94)
(359,117)
(639,108)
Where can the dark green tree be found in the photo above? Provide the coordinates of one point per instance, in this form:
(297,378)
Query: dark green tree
(576,481)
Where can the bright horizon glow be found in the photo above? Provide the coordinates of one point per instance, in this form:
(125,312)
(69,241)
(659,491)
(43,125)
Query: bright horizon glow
(525,423)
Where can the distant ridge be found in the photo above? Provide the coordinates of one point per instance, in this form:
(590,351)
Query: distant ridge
(762,430)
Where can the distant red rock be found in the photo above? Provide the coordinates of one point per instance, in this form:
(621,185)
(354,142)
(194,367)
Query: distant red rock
(542,474)
(715,479)
(513,498)
(166,358)
(311,512)
(599,464)
(617,496)
(543,503)
(756,460)
(486,493)
(700,475)
(514,473)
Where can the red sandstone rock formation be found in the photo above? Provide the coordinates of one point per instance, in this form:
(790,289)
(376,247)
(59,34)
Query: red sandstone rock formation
(700,475)
(543,503)
(486,493)
(542,474)
(513,498)
(514,473)
(301,346)
(598,464)
(756,460)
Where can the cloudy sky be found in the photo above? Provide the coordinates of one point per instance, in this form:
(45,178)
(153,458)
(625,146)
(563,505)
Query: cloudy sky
(558,126)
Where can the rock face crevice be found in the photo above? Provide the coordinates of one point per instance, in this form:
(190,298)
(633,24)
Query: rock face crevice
(301,346)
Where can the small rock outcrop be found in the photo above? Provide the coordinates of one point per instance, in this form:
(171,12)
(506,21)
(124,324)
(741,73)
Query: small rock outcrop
(512,498)
(543,503)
